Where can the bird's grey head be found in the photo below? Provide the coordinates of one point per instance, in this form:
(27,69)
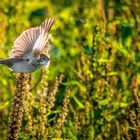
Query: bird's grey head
(44,60)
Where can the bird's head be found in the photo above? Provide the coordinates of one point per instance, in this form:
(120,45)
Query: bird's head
(43,60)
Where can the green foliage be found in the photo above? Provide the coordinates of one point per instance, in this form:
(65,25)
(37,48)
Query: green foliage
(96,47)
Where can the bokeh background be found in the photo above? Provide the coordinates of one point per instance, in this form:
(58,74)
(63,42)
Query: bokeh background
(91,88)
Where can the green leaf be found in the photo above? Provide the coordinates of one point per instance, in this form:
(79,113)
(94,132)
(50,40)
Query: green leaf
(104,102)
(77,83)
(53,112)
(123,104)
(104,60)
(78,102)
(132,128)
(4,105)
(113,73)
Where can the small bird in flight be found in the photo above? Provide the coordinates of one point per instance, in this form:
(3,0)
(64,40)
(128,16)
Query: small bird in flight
(26,54)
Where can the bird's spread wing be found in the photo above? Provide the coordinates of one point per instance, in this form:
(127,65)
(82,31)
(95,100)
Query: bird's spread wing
(32,41)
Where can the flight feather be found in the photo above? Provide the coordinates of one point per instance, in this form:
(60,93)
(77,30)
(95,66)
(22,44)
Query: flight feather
(32,41)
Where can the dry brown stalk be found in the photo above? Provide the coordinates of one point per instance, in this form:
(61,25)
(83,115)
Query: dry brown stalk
(137,102)
(15,119)
(61,120)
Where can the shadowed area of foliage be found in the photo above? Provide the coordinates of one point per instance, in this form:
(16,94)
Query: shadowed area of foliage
(91,88)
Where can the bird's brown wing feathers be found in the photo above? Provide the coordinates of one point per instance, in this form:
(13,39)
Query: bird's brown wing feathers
(32,41)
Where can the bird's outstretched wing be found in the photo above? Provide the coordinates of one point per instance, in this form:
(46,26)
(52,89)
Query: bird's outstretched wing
(32,41)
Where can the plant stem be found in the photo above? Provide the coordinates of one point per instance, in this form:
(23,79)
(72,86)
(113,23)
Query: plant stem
(15,119)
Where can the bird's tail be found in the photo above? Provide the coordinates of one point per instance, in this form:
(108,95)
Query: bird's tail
(5,62)
(2,61)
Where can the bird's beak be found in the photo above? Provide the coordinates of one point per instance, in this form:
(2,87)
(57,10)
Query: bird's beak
(48,57)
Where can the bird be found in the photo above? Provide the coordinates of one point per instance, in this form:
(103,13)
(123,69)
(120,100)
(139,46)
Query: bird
(27,54)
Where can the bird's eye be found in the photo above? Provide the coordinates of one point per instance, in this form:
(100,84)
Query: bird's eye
(43,58)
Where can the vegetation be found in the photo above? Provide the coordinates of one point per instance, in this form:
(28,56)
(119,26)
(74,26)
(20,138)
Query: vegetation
(91,88)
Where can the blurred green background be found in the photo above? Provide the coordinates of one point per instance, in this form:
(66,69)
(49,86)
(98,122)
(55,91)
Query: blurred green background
(91,88)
